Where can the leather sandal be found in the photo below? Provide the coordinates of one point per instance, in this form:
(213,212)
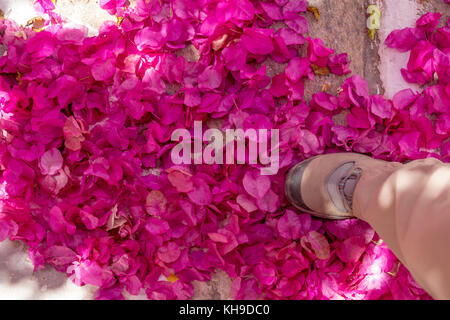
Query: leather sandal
(324,185)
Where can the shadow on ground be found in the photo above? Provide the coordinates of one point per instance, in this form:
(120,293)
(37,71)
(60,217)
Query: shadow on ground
(17,280)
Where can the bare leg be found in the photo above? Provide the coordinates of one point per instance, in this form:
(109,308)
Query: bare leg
(409,207)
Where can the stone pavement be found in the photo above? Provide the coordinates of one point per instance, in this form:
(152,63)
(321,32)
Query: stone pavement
(342,26)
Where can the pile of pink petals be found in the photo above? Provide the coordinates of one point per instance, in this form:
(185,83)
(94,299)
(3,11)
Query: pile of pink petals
(86,178)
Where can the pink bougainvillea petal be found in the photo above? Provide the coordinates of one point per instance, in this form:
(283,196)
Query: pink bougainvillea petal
(257,42)
(255,184)
(51,162)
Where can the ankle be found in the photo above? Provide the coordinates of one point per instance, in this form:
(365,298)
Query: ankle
(367,190)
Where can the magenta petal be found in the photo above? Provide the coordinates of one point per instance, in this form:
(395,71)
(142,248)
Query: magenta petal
(291,37)
(103,70)
(269,203)
(257,42)
(403,99)
(352,249)
(43,6)
(429,21)
(438,99)
(317,244)
(404,39)
(59,255)
(51,162)
(279,87)
(297,68)
(298,23)
(325,101)
(339,64)
(148,38)
(409,143)
(359,118)
(58,222)
(445,151)
(289,225)
(442,37)
(209,79)
(255,184)
(266,275)
(293,7)
(169,252)
(272,10)
(192,97)
(201,193)
(318,53)
(41,46)
(156,226)
(382,107)
(235,56)
(90,221)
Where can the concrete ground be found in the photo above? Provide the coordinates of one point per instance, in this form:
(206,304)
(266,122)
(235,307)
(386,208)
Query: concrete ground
(342,26)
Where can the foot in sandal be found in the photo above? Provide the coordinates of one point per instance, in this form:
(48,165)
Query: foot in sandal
(324,185)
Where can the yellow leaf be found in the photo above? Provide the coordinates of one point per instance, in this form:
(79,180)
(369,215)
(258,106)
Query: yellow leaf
(373,10)
(19,77)
(172,278)
(315,11)
(219,42)
(325,87)
(119,20)
(37,23)
(374,20)
(320,71)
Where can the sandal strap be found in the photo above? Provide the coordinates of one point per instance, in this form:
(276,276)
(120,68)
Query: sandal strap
(354,174)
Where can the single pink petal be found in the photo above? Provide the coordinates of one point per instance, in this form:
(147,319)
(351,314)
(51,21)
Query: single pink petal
(149,38)
(298,23)
(290,37)
(269,203)
(169,252)
(266,275)
(235,56)
(103,70)
(317,244)
(58,222)
(51,162)
(403,40)
(89,220)
(298,68)
(325,101)
(272,10)
(246,202)
(381,107)
(201,193)
(339,64)
(59,255)
(156,226)
(293,7)
(255,184)
(156,203)
(318,53)
(217,237)
(278,87)
(209,79)
(256,42)
(404,98)
(289,225)
(181,181)
(351,249)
